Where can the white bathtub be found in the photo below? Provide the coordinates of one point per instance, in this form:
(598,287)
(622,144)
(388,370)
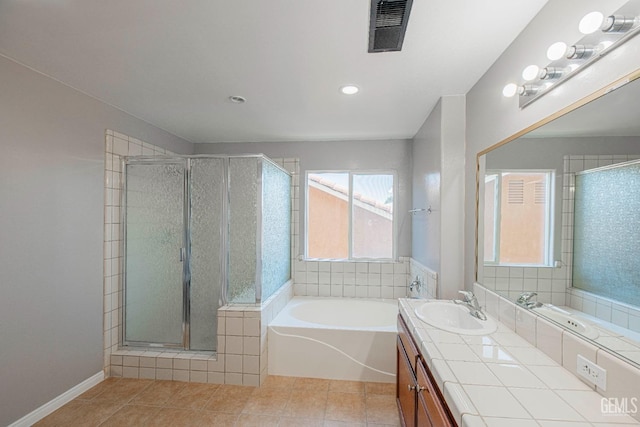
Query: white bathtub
(335,338)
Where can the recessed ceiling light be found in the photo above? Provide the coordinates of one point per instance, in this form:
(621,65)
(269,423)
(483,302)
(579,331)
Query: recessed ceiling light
(237,99)
(349,89)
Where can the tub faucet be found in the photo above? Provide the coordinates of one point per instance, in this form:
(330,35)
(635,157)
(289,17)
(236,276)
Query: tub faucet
(524,300)
(415,284)
(470,301)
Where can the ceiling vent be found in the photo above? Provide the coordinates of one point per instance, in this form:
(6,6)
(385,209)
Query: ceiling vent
(388,24)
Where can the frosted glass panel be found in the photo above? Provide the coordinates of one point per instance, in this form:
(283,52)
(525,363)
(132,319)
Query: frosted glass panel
(276,226)
(607,233)
(243,214)
(207,193)
(154,236)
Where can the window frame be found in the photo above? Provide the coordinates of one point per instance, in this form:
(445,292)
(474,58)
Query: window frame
(351,173)
(549,216)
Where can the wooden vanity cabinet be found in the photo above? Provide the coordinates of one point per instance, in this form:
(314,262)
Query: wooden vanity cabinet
(420,401)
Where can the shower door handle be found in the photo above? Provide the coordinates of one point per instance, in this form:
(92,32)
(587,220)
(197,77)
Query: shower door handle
(183,254)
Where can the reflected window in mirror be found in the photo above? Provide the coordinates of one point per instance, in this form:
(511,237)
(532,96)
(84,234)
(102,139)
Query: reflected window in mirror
(518,217)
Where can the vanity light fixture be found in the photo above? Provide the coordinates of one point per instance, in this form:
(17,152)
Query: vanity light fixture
(618,24)
(349,89)
(580,51)
(528,90)
(551,73)
(601,34)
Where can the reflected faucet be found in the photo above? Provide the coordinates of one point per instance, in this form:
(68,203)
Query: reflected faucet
(524,300)
(470,301)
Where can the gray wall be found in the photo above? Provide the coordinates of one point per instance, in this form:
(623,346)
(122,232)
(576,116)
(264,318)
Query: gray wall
(328,155)
(438,182)
(427,169)
(492,118)
(51,234)
(548,153)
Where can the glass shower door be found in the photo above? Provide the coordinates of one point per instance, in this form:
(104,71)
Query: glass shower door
(155,254)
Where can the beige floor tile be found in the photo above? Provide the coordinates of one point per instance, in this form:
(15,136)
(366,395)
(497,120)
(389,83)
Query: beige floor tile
(317,384)
(380,388)
(62,416)
(215,419)
(98,389)
(346,386)
(251,420)
(193,396)
(174,417)
(300,422)
(332,423)
(382,409)
(158,393)
(310,404)
(230,399)
(94,413)
(276,381)
(349,407)
(267,401)
(122,390)
(131,416)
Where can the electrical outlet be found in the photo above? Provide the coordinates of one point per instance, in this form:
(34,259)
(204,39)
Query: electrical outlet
(592,372)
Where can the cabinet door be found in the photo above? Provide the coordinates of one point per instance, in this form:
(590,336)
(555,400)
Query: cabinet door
(405,388)
(430,409)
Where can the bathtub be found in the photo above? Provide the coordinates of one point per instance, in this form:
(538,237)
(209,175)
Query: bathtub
(334,338)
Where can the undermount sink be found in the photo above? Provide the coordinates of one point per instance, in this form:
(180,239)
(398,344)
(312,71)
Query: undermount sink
(454,318)
(568,320)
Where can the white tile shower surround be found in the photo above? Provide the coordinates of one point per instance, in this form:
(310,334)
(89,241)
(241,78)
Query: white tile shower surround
(116,146)
(502,380)
(241,355)
(555,362)
(237,360)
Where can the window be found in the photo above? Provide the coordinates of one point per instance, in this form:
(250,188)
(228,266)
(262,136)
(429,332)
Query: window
(518,217)
(350,215)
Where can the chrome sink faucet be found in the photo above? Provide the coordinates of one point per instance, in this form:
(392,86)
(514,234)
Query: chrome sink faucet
(471,302)
(524,300)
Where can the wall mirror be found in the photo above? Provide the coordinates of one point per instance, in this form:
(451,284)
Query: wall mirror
(559,216)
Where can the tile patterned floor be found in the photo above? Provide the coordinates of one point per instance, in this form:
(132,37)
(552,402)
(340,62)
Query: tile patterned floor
(281,401)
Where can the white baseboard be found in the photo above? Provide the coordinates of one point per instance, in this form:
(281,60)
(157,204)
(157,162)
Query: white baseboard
(58,402)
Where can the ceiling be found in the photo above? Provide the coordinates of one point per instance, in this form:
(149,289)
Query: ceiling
(175,64)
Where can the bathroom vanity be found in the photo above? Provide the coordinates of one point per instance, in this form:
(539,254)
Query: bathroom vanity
(481,378)
(420,401)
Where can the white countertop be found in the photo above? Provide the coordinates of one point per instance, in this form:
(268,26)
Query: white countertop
(501,380)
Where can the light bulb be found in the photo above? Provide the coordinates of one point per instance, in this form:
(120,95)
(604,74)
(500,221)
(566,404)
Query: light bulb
(556,51)
(591,22)
(510,90)
(531,72)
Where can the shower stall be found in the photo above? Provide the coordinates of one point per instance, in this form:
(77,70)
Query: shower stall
(200,232)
